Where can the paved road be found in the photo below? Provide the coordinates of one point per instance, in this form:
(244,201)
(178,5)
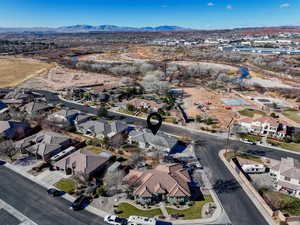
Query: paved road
(32,200)
(235,201)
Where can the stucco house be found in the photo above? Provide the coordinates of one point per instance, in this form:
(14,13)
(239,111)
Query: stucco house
(82,161)
(147,140)
(287,174)
(44,144)
(166,182)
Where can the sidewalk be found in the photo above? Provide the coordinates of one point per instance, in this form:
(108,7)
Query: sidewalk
(252,197)
(66,196)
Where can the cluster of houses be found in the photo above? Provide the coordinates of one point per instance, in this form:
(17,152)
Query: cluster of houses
(67,154)
(285,173)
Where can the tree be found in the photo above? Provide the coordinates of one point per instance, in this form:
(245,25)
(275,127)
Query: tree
(101,191)
(113,180)
(130,108)
(153,82)
(105,142)
(296,137)
(102,111)
(8,149)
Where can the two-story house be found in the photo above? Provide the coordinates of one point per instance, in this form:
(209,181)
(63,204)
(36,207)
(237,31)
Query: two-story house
(287,174)
(264,125)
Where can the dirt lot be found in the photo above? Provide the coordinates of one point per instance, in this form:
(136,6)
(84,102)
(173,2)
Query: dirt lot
(214,107)
(58,78)
(14,71)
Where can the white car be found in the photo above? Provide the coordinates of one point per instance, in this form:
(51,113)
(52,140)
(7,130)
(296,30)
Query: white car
(115,220)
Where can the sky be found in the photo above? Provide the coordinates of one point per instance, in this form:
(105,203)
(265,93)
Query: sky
(198,14)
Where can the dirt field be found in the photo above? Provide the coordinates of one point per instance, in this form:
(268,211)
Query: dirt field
(214,107)
(14,71)
(58,78)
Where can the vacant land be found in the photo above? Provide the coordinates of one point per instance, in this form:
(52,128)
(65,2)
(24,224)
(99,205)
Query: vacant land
(14,71)
(293,115)
(251,112)
(129,210)
(289,146)
(58,78)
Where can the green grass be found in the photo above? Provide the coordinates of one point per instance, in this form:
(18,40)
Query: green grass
(94,149)
(130,210)
(289,146)
(131,148)
(251,112)
(293,115)
(194,212)
(250,137)
(66,185)
(284,202)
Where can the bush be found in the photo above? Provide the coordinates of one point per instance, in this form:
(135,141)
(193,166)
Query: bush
(101,191)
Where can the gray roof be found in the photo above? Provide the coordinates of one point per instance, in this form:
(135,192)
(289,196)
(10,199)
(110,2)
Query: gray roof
(43,142)
(96,126)
(118,126)
(2,105)
(160,139)
(34,107)
(288,167)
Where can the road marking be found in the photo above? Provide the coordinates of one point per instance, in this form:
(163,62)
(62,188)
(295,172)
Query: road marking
(24,219)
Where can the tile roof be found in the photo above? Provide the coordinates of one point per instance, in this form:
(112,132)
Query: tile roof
(33,107)
(96,126)
(83,160)
(170,179)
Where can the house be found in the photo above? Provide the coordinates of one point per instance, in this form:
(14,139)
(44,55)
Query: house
(165,182)
(36,107)
(12,129)
(116,131)
(287,174)
(146,139)
(3,107)
(44,144)
(94,128)
(143,103)
(264,125)
(82,162)
(64,116)
(18,96)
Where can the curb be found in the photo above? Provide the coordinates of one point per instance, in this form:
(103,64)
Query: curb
(267,217)
(66,196)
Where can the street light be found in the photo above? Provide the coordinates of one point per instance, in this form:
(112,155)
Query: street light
(228,135)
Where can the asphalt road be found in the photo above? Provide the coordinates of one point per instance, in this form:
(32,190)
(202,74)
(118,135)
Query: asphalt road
(33,201)
(235,201)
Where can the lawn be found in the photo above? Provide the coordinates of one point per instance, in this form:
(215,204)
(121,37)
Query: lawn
(289,146)
(129,210)
(66,185)
(293,115)
(194,212)
(229,155)
(94,149)
(284,202)
(251,112)
(249,137)
(131,148)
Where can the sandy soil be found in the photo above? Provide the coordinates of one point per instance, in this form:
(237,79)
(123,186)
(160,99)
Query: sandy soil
(14,71)
(58,78)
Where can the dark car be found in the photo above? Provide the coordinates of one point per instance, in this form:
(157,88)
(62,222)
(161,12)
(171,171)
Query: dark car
(54,192)
(81,202)
(256,152)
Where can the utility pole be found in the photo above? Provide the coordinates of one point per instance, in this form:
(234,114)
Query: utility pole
(228,135)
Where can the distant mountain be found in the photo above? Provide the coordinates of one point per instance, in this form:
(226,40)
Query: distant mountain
(90,28)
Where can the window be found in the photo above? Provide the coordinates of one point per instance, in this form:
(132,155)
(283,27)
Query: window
(287,178)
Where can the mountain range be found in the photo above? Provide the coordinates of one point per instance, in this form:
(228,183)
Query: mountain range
(90,28)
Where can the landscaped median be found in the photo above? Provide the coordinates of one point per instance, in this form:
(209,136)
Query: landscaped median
(193,212)
(127,210)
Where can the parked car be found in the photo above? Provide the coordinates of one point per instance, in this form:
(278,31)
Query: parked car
(256,152)
(115,220)
(247,141)
(81,202)
(54,192)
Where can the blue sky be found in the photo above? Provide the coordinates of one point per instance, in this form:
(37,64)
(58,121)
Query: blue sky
(199,14)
